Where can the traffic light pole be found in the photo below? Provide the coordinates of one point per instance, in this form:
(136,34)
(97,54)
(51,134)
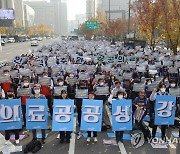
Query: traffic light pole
(129,19)
(109,10)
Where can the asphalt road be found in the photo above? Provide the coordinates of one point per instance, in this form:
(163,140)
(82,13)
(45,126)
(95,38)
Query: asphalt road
(10,50)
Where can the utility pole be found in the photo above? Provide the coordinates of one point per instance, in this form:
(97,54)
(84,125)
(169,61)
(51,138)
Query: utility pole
(94,9)
(109,10)
(129,20)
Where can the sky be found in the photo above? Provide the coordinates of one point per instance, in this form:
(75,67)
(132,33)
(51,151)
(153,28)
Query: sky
(74,7)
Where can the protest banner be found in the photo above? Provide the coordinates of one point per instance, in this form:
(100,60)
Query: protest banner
(121,115)
(91,118)
(63,115)
(10,114)
(36,114)
(165,110)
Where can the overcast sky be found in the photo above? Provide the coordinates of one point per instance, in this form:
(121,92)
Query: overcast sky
(74,7)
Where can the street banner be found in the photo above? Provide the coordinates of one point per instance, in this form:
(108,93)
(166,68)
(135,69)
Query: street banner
(63,115)
(36,114)
(165,110)
(91,118)
(10,114)
(121,115)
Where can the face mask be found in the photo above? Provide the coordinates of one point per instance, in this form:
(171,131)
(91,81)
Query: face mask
(10,95)
(71,76)
(37,91)
(26,84)
(163,90)
(148,83)
(120,96)
(166,80)
(173,85)
(60,83)
(101,84)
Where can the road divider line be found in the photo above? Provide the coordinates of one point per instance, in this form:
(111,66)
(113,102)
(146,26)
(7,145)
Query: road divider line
(73,139)
(120,145)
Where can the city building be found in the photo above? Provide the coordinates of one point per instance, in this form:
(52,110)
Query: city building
(29,16)
(118,8)
(53,13)
(18,7)
(90,6)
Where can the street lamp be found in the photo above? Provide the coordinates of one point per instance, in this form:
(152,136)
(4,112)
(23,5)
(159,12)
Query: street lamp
(109,10)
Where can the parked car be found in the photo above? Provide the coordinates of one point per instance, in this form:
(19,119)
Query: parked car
(3,43)
(11,40)
(34,43)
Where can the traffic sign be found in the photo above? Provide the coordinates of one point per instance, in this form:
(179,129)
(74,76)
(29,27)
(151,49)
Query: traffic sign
(92,25)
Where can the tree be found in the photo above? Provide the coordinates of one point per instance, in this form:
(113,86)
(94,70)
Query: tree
(114,28)
(170,11)
(148,15)
(101,19)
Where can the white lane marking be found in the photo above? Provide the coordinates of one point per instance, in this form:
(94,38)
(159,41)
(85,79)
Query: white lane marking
(5,148)
(172,146)
(121,145)
(73,139)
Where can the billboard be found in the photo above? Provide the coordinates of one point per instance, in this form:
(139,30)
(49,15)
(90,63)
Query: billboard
(7,14)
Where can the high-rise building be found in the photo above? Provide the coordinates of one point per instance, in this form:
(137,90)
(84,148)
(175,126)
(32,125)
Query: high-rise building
(19,12)
(53,13)
(90,6)
(18,7)
(118,8)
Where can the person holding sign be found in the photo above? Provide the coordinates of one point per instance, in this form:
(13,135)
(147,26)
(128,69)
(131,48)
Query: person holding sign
(120,95)
(46,91)
(91,96)
(161,92)
(25,84)
(6,85)
(38,95)
(11,95)
(140,107)
(2,94)
(64,135)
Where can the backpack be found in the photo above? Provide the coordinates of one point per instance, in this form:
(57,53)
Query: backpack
(137,139)
(33,146)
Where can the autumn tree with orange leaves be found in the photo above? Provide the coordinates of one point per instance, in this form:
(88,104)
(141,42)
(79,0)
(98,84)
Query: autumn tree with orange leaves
(149,17)
(159,20)
(170,22)
(114,28)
